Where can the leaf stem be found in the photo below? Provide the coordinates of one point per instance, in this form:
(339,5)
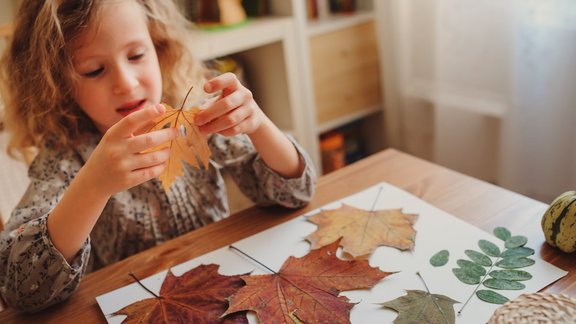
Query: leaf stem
(251,258)
(186,97)
(376,200)
(478,286)
(423,281)
(131,274)
(433,299)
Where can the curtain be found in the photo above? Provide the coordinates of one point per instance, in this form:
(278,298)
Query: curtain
(487,88)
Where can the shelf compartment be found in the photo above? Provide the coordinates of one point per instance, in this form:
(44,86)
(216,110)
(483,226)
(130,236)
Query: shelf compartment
(346,73)
(257,32)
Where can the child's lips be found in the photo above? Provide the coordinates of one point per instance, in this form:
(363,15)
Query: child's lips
(131,107)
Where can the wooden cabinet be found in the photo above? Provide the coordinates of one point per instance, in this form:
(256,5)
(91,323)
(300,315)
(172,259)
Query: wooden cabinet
(345,70)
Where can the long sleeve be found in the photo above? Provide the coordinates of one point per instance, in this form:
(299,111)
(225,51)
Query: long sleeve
(33,273)
(256,180)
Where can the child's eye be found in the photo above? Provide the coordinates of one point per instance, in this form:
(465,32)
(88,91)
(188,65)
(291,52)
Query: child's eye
(94,73)
(136,57)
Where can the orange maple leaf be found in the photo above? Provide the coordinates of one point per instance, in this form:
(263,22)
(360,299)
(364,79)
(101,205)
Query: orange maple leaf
(197,296)
(191,146)
(362,231)
(306,289)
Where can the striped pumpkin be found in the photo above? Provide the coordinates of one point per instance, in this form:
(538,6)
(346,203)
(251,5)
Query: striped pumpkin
(559,222)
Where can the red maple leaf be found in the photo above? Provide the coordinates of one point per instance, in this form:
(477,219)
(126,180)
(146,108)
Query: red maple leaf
(306,289)
(197,296)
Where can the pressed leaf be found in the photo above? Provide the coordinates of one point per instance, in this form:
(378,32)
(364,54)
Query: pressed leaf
(489,248)
(511,274)
(440,258)
(191,146)
(479,258)
(491,296)
(197,296)
(471,267)
(306,289)
(466,277)
(517,252)
(362,231)
(503,284)
(502,233)
(423,307)
(514,263)
(516,241)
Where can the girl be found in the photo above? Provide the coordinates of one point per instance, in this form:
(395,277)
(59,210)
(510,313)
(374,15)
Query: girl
(80,79)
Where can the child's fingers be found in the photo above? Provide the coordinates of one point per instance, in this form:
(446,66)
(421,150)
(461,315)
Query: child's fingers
(227,81)
(146,141)
(150,159)
(133,122)
(219,108)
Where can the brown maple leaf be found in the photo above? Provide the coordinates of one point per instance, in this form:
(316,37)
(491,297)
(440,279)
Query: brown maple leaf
(306,289)
(197,296)
(191,146)
(362,231)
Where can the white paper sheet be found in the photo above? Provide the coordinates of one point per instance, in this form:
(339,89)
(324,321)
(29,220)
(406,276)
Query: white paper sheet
(436,230)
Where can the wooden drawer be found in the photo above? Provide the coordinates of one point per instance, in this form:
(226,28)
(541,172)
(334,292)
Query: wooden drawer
(345,71)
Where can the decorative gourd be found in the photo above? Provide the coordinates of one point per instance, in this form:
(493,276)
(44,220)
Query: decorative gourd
(559,222)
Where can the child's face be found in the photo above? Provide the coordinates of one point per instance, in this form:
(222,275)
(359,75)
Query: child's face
(117,66)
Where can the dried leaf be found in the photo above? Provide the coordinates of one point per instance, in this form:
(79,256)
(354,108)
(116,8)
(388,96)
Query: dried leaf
(198,296)
(423,307)
(503,284)
(491,297)
(502,233)
(362,231)
(306,289)
(190,146)
(439,259)
(479,258)
(517,275)
(516,241)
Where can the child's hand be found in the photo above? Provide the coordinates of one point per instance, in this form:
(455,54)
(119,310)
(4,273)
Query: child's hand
(233,112)
(118,163)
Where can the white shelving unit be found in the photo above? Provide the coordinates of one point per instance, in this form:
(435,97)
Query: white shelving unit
(279,53)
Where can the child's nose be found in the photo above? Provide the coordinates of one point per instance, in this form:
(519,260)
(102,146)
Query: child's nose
(125,80)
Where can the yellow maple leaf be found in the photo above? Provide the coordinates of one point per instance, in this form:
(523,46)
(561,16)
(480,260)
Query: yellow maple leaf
(190,146)
(362,231)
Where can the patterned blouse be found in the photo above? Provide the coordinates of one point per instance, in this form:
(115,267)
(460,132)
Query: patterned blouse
(33,273)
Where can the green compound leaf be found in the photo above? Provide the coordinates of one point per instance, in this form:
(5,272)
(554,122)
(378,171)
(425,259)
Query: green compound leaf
(471,267)
(514,263)
(517,252)
(502,233)
(503,284)
(489,248)
(466,277)
(439,259)
(492,297)
(516,241)
(516,275)
(479,258)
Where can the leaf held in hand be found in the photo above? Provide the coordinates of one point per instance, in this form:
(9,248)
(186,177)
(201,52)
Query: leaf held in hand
(422,307)
(362,231)
(197,296)
(306,289)
(190,146)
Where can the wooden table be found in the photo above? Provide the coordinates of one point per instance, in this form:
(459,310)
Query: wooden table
(479,203)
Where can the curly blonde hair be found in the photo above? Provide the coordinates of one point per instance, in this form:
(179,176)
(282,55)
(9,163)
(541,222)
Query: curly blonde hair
(38,76)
